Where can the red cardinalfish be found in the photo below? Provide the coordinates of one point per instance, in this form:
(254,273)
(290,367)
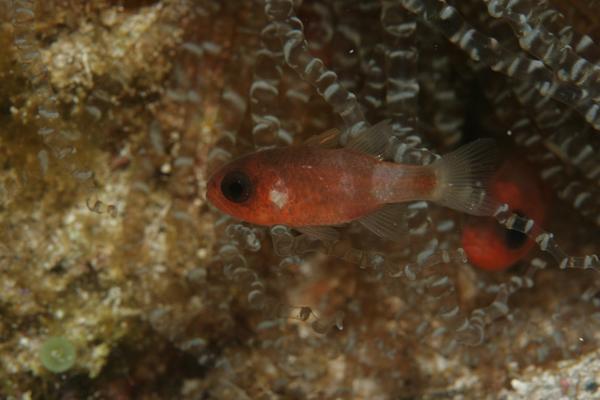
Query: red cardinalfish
(488,244)
(313,186)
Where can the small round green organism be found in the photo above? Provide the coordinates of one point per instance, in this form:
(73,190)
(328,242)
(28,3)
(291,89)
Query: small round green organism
(58,354)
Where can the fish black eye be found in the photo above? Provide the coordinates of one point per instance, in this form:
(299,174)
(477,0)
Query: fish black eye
(236,186)
(515,239)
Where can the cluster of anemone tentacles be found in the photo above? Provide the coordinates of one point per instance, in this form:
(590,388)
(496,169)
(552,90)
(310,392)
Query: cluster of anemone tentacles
(445,73)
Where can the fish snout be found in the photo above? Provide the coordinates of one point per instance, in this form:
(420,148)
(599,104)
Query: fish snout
(212,191)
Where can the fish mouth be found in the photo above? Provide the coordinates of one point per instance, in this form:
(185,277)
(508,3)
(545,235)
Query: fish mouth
(210,193)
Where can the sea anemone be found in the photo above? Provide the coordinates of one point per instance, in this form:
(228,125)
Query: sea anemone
(58,354)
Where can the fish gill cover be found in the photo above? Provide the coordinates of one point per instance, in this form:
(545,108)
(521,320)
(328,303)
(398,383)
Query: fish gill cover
(113,113)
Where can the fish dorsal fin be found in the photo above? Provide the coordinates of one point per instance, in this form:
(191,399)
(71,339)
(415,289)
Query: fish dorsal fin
(324,233)
(387,222)
(374,140)
(327,139)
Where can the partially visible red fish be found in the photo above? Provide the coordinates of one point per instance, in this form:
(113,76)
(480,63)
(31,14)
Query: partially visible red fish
(312,185)
(488,244)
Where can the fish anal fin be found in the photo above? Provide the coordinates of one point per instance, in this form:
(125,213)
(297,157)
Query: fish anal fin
(327,139)
(388,222)
(324,233)
(374,140)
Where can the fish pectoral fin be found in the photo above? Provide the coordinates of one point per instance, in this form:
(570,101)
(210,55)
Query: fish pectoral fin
(324,233)
(388,222)
(327,139)
(374,140)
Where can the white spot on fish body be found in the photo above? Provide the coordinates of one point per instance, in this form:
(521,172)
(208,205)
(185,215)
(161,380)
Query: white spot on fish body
(278,194)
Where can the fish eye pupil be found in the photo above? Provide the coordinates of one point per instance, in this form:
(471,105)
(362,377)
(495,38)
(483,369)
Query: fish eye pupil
(515,239)
(236,186)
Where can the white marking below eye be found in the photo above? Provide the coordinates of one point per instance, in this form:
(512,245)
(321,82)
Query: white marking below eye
(278,195)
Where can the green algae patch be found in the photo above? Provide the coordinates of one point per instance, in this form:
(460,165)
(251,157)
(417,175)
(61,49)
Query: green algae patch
(58,354)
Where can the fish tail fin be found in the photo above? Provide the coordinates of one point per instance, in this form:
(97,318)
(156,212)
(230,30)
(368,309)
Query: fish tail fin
(463,176)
